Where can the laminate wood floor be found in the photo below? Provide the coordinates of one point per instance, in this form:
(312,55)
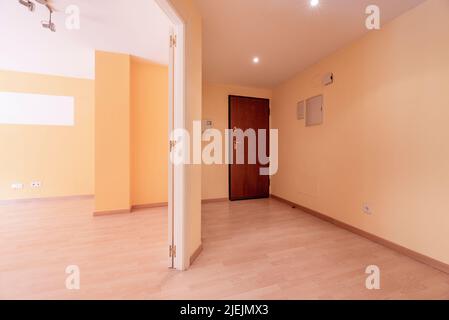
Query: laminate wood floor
(258,249)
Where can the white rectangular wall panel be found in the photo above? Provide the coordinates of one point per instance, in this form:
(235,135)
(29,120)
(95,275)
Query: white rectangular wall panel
(314,111)
(36,109)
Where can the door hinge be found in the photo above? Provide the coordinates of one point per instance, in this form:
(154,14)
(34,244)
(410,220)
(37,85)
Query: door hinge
(172,251)
(172,145)
(173,41)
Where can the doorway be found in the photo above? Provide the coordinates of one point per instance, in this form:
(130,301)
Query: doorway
(245,180)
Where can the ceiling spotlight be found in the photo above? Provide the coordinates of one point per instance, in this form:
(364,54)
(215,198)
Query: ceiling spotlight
(314,3)
(256,60)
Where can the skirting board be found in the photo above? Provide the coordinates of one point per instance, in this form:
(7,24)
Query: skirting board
(111,212)
(131,210)
(439,265)
(30,200)
(214,200)
(149,206)
(196,254)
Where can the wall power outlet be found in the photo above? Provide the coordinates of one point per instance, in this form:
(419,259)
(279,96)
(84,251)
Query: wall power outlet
(17,186)
(36,184)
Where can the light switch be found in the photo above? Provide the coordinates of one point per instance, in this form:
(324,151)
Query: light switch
(206,125)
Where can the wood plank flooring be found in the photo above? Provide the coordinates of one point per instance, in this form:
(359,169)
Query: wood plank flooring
(258,249)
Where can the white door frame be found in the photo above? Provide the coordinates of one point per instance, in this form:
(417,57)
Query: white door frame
(177,233)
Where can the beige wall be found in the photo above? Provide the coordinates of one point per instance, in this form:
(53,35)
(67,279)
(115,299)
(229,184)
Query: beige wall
(385,138)
(131,132)
(112,132)
(59,157)
(191,16)
(215,108)
(149,132)
(132,113)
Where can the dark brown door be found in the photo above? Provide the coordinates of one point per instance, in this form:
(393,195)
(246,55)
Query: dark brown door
(245,180)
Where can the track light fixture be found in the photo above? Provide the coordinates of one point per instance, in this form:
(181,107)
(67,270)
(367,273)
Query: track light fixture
(49,5)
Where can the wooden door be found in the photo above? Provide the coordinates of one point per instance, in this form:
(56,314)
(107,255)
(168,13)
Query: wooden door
(245,180)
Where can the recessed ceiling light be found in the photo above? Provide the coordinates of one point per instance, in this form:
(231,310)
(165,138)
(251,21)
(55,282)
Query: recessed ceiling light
(314,3)
(256,60)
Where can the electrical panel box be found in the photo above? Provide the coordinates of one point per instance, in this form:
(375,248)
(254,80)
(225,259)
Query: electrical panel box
(314,111)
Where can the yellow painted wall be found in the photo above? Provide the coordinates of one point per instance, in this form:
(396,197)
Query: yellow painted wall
(60,157)
(112,132)
(385,138)
(192,18)
(149,132)
(215,107)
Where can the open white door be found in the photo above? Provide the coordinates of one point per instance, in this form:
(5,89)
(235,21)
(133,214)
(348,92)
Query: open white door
(171,167)
(176,197)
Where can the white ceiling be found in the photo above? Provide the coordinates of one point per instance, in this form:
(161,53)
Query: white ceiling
(136,27)
(287,35)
